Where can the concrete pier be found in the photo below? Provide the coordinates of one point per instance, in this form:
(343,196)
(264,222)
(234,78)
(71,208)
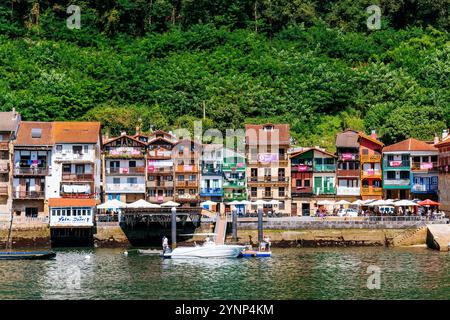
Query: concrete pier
(439,236)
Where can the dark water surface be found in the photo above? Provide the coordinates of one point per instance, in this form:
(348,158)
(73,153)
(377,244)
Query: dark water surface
(303,273)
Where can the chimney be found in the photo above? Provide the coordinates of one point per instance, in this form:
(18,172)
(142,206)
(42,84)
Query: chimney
(444,134)
(436,139)
(373,134)
(123,133)
(14,114)
(138,130)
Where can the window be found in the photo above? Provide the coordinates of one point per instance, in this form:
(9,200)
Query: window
(180,177)
(281,192)
(298,183)
(77,150)
(86,148)
(132,180)
(67,168)
(116,180)
(132,164)
(36,133)
(307,183)
(404,175)
(268,128)
(365,151)
(192,191)
(169,193)
(152,193)
(58,148)
(390,175)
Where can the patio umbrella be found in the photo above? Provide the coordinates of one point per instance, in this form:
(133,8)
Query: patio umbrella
(428,202)
(143,204)
(357,202)
(274,202)
(342,202)
(405,203)
(208,203)
(259,202)
(379,203)
(325,203)
(170,204)
(112,204)
(233,203)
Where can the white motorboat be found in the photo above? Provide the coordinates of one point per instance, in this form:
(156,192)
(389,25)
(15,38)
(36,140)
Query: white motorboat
(207,250)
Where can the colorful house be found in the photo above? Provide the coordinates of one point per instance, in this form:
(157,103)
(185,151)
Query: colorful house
(444,172)
(268,170)
(124,168)
(348,166)
(370,166)
(410,170)
(234,180)
(313,178)
(211,179)
(160,168)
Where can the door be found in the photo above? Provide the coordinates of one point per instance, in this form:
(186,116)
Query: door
(317,185)
(294,209)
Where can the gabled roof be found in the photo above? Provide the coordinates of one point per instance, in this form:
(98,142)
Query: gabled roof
(347,139)
(365,136)
(105,143)
(265,137)
(294,154)
(410,144)
(24,134)
(187,141)
(160,139)
(76,132)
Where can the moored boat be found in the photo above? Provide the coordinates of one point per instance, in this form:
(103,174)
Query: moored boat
(254,253)
(27,255)
(206,250)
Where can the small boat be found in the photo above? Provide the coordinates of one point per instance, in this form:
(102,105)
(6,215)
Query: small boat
(207,250)
(27,255)
(254,253)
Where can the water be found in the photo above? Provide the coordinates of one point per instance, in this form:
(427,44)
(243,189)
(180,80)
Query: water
(301,273)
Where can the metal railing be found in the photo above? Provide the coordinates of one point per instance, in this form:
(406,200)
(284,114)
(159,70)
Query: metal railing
(29,194)
(32,171)
(77,177)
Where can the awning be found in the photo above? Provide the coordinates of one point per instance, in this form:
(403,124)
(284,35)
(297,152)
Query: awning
(142,204)
(428,202)
(112,204)
(67,202)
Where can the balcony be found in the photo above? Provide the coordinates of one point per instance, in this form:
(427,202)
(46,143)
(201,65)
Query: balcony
(73,195)
(211,171)
(186,184)
(424,166)
(238,183)
(29,195)
(125,188)
(159,199)
(267,194)
(186,168)
(3,190)
(4,166)
(160,154)
(348,173)
(324,167)
(213,192)
(34,171)
(159,170)
(234,167)
(187,197)
(374,174)
(424,188)
(371,191)
(371,158)
(348,156)
(126,171)
(77,177)
(4,145)
(328,190)
(396,164)
(268,179)
(160,184)
(129,153)
(231,196)
(396,183)
(301,168)
(301,191)
(348,191)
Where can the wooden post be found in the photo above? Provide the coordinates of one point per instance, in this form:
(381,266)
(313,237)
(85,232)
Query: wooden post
(260,225)
(174,227)
(234,224)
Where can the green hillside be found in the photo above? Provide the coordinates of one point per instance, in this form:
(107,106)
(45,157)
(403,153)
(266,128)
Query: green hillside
(313,65)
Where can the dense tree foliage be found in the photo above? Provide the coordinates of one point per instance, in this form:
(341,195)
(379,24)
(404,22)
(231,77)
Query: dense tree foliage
(163,64)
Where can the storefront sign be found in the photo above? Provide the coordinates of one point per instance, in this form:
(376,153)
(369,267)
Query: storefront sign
(426,165)
(348,156)
(302,167)
(395,163)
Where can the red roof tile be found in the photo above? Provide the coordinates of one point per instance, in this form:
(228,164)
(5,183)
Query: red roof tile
(24,136)
(263,137)
(76,132)
(410,144)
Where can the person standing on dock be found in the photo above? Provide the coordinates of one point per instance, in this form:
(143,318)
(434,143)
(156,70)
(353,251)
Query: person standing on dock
(165,244)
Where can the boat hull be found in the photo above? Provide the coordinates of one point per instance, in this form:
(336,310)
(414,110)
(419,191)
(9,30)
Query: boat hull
(42,255)
(257,254)
(218,251)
